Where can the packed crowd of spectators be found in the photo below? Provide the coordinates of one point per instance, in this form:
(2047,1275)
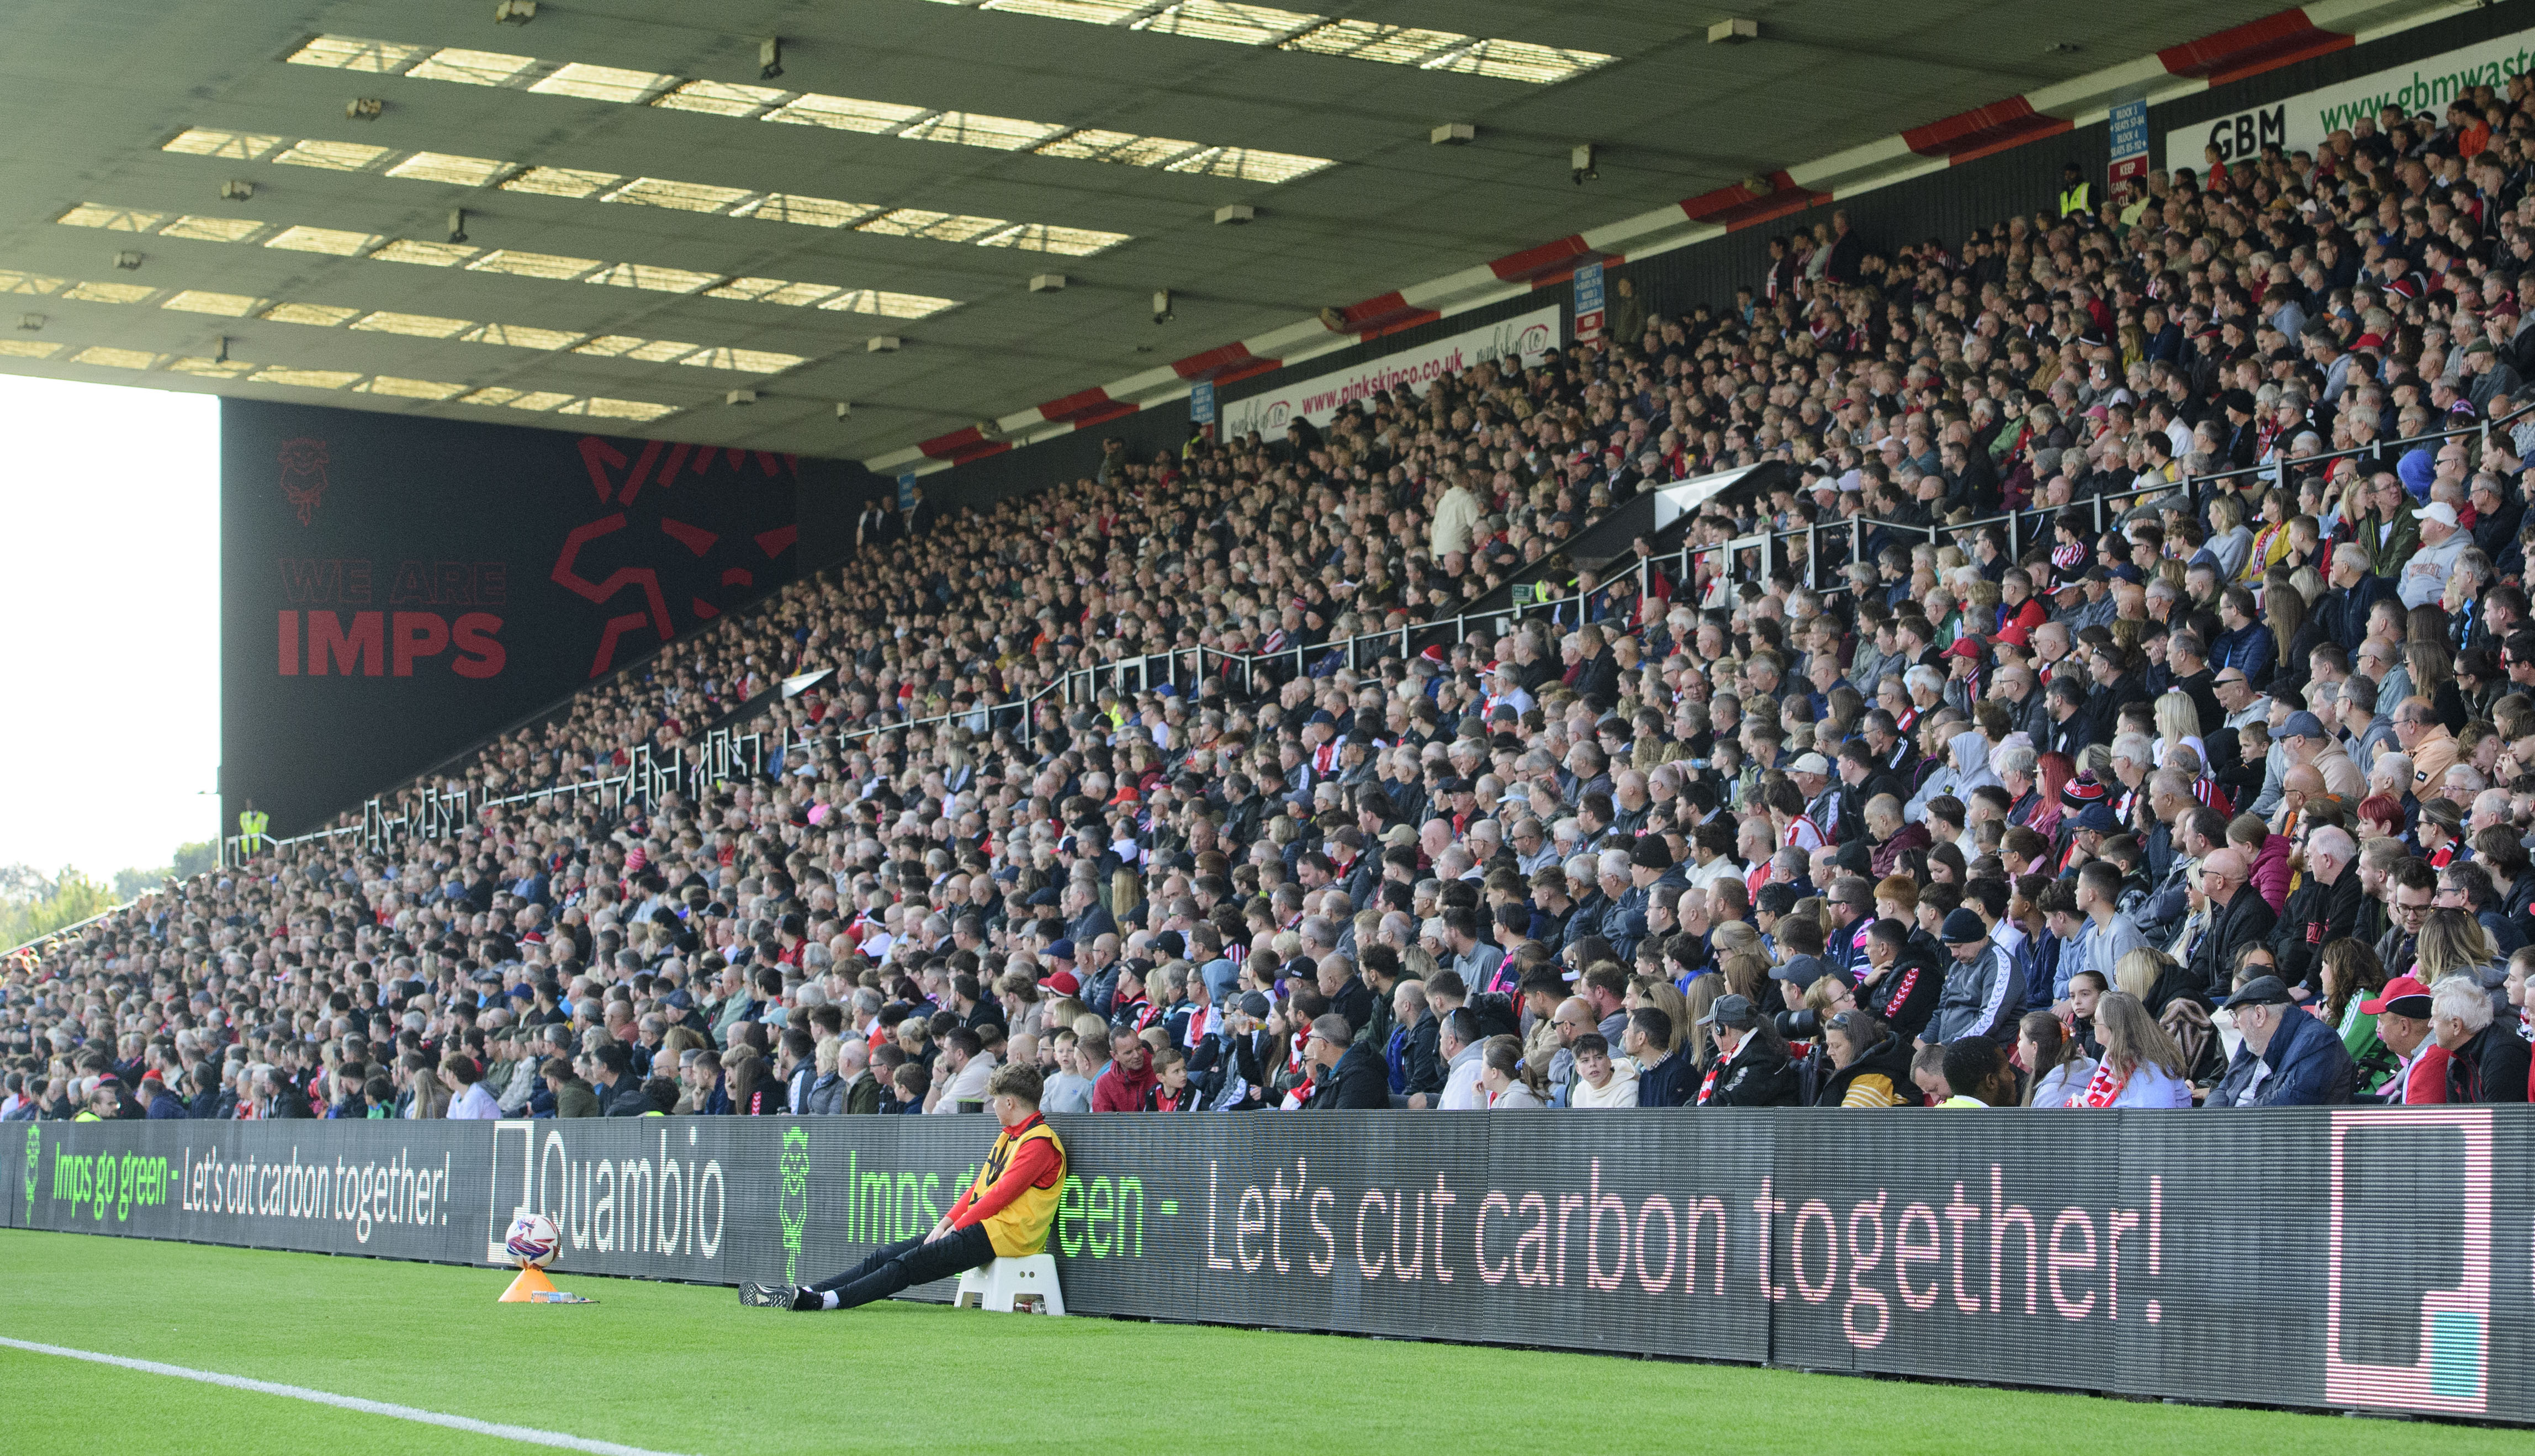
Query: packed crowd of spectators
(2226,803)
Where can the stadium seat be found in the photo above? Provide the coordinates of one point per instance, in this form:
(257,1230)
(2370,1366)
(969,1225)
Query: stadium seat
(1022,1286)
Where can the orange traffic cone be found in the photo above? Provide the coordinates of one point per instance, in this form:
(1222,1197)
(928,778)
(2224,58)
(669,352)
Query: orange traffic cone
(531,1282)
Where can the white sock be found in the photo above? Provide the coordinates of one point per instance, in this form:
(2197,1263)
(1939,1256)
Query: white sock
(828,1299)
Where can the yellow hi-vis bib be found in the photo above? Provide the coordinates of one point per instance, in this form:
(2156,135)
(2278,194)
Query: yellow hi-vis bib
(1020,1228)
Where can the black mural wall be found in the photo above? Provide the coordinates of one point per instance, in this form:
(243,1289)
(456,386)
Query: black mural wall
(396,590)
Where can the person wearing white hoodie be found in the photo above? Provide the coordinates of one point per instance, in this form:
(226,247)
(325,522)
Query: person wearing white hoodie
(1966,768)
(1600,1081)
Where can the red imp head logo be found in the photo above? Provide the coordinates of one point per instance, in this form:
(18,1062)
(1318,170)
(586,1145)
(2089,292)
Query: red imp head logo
(303,476)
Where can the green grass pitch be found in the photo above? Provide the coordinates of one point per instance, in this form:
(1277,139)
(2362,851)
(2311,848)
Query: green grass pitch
(683,1368)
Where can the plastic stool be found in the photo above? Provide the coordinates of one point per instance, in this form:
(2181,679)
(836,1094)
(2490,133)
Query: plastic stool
(1020,1286)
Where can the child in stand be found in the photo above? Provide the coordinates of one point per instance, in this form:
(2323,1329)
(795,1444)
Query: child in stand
(1173,1092)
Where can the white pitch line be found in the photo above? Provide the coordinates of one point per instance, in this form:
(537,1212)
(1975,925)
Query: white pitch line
(527,1433)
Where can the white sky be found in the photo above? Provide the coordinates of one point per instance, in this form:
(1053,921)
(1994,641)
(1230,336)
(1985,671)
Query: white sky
(109,747)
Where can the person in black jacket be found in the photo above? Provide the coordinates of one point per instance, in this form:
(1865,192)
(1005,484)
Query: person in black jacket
(282,1098)
(2237,914)
(1421,1062)
(1870,1065)
(1751,1067)
(1664,1080)
(2486,1062)
(1351,1076)
(1236,1053)
(1900,979)
(1348,995)
(620,1095)
(2323,909)
(206,1091)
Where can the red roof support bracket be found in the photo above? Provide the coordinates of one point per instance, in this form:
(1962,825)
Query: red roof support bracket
(2252,48)
(1560,255)
(1732,207)
(1216,363)
(1388,314)
(1984,130)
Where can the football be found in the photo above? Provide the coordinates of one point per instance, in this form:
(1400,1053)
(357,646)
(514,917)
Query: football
(533,1240)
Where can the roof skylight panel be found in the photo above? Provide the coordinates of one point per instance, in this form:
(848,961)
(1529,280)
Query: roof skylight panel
(113,358)
(684,197)
(107,292)
(212,229)
(562,182)
(353,53)
(520,336)
(974,129)
(1090,12)
(332,156)
(444,166)
(549,265)
(1517,60)
(1125,149)
(722,98)
(743,361)
(620,409)
(1040,237)
(922,222)
(409,388)
(336,241)
(845,114)
(1249,164)
(473,67)
(211,142)
(315,315)
(771,290)
(425,253)
(627,346)
(1205,19)
(652,277)
(888,305)
(306,379)
(412,326)
(1371,40)
(210,368)
(1290,29)
(904,222)
(1216,20)
(199,301)
(604,83)
(112,219)
(808,212)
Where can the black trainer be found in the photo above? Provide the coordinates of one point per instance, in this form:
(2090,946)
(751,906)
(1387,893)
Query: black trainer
(769,1295)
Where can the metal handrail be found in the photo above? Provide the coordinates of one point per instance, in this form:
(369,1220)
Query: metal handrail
(61,931)
(1195,656)
(2277,468)
(717,756)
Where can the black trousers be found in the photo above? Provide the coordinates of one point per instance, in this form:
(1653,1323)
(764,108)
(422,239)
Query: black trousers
(895,1267)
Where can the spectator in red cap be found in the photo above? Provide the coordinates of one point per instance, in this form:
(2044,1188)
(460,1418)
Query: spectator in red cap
(2402,1015)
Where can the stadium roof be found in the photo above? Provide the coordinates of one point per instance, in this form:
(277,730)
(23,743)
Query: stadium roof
(627,208)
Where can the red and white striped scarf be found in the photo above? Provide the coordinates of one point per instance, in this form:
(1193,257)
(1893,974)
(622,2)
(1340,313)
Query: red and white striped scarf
(2103,1087)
